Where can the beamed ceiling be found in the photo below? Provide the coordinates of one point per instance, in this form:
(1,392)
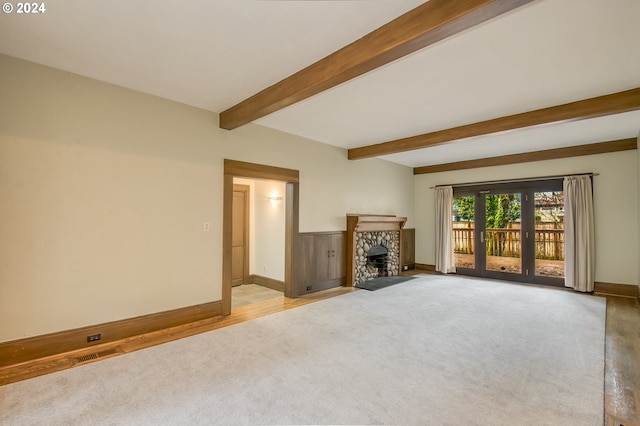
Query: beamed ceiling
(435,85)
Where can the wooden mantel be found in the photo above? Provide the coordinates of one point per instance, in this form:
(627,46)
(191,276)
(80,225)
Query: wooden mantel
(368,222)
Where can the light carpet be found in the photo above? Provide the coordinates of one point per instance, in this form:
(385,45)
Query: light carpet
(435,350)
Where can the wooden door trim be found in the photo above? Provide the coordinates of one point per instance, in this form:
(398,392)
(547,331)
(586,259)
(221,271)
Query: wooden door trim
(241,169)
(260,171)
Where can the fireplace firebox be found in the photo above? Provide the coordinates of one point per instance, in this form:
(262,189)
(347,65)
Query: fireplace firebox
(377,262)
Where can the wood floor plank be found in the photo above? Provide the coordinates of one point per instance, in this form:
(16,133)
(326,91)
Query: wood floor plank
(622,361)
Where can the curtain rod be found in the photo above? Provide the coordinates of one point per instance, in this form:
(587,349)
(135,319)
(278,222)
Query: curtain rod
(492,182)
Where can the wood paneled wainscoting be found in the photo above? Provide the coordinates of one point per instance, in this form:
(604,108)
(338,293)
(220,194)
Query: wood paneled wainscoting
(322,261)
(408,261)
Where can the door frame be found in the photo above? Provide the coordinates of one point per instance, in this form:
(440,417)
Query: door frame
(526,189)
(291,177)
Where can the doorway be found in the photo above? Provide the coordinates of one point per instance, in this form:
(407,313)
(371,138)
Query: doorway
(290,177)
(258,243)
(511,231)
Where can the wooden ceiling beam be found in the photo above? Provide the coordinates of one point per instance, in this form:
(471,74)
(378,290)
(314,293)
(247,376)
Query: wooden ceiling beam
(527,157)
(615,103)
(428,23)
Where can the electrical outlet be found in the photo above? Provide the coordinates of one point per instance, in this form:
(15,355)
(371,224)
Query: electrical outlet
(206,227)
(308,288)
(94,337)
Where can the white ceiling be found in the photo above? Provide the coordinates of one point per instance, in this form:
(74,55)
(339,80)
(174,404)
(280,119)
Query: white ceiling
(213,54)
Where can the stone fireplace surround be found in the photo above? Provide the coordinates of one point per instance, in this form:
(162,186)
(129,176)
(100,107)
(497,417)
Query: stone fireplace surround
(365,242)
(367,231)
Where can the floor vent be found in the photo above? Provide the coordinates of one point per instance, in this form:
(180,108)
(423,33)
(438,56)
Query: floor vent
(91,357)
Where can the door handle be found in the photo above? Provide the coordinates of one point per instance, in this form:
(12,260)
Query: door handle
(482,236)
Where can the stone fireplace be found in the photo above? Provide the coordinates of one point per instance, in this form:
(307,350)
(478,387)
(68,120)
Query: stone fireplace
(377,255)
(373,247)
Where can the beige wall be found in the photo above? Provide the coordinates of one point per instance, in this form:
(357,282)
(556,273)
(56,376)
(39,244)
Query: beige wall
(105,191)
(615,194)
(269,227)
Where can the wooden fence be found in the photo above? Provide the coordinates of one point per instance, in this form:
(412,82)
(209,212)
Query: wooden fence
(549,243)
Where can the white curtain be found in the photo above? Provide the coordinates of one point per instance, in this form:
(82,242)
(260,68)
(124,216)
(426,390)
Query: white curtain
(579,247)
(445,261)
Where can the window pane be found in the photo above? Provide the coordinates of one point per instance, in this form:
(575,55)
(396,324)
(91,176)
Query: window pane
(549,230)
(463,228)
(502,234)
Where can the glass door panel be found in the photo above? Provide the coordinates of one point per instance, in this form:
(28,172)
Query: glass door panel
(549,234)
(510,231)
(503,245)
(463,231)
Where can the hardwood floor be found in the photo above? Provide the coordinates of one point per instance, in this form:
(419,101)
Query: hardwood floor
(50,364)
(622,362)
(248,294)
(622,348)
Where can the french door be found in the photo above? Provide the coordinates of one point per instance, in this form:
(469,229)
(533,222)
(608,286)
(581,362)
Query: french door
(510,231)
